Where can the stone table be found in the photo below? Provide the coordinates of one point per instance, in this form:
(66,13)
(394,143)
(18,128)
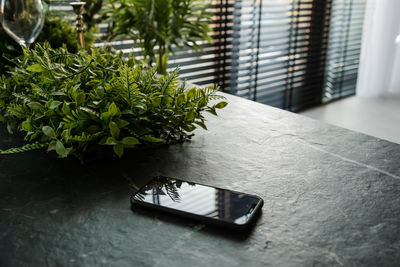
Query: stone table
(331,198)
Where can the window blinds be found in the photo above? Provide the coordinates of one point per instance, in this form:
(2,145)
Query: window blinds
(296,54)
(291,54)
(344,48)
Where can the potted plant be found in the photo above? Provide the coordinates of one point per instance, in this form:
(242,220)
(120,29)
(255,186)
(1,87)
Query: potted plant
(156,26)
(71,103)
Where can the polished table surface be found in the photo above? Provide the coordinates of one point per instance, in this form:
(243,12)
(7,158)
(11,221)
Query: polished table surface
(332,197)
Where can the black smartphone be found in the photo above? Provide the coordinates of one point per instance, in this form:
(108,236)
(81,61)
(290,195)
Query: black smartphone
(201,202)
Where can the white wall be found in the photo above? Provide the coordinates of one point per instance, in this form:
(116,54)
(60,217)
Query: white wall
(379,70)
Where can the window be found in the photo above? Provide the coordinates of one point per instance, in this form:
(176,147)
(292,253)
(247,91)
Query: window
(344,48)
(291,54)
(295,54)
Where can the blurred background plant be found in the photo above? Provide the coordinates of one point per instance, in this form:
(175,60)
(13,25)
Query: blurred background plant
(157,26)
(92,14)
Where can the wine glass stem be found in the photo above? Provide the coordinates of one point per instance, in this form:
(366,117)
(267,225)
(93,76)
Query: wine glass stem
(26,45)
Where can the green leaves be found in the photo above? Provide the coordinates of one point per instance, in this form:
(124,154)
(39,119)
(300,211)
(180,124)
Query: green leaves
(26,126)
(72,102)
(114,130)
(48,131)
(65,109)
(111,141)
(35,68)
(119,149)
(180,99)
(35,105)
(221,105)
(61,150)
(159,23)
(201,124)
(113,110)
(80,98)
(130,141)
(190,115)
(27,147)
(118,146)
(55,104)
(151,139)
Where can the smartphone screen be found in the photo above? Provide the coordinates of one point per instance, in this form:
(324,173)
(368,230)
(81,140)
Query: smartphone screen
(188,198)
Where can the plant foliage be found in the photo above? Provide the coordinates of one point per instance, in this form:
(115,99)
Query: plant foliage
(158,25)
(70,103)
(91,14)
(57,30)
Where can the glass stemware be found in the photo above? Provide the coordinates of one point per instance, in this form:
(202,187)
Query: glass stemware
(22,19)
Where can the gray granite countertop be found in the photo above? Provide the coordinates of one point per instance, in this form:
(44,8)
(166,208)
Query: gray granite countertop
(331,198)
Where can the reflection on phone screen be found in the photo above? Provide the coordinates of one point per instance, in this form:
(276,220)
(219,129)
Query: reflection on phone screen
(198,199)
